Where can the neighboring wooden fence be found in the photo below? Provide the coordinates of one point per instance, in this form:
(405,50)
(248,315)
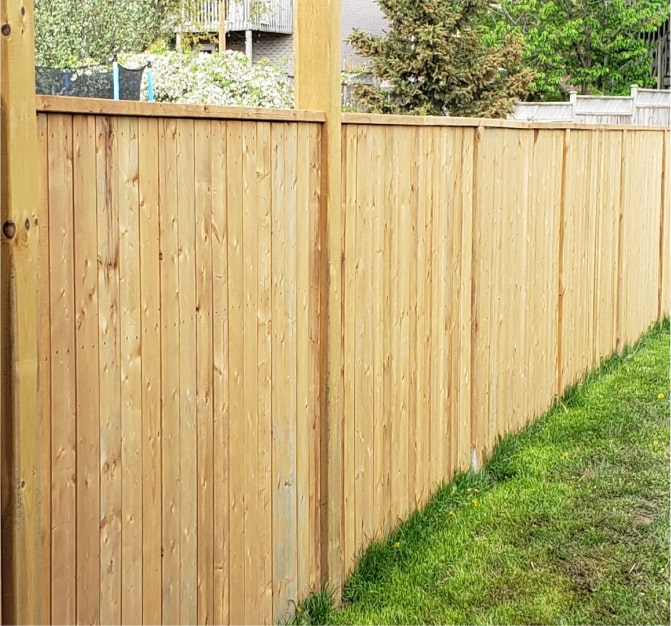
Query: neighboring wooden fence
(183,317)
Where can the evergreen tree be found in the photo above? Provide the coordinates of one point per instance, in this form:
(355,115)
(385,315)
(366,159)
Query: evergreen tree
(437,60)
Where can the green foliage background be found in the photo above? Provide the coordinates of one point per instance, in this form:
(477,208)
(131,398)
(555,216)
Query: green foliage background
(436,59)
(74,32)
(592,46)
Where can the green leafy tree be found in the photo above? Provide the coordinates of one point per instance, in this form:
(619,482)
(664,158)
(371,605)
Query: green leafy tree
(72,32)
(437,60)
(593,46)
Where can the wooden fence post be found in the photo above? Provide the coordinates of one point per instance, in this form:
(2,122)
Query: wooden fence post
(318,85)
(23,591)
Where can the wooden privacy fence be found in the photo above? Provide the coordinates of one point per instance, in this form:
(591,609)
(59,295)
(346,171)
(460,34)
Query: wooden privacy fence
(180,368)
(486,267)
(193,468)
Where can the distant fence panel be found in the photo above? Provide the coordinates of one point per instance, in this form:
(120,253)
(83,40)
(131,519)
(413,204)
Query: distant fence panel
(486,266)
(485,269)
(641,219)
(183,362)
(644,107)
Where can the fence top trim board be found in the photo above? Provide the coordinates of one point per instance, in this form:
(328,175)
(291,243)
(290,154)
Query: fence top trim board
(409,120)
(94,106)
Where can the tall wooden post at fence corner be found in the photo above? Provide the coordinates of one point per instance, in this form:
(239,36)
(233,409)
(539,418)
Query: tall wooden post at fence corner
(23,590)
(318,85)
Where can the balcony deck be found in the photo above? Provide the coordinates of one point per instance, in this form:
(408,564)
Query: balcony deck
(270,16)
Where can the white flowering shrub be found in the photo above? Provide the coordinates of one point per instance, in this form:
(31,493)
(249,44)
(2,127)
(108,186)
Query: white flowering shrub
(217,79)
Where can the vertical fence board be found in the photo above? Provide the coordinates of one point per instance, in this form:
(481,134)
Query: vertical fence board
(413,488)
(170,383)
(236,364)
(264,351)
(109,371)
(204,372)
(281,503)
(44,374)
(221,413)
(396,493)
(349,355)
(150,292)
(63,378)
(363,349)
(303,442)
(187,372)
(289,408)
(438,348)
(463,374)
(423,280)
(544,210)
(483,284)
(387,199)
(283,425)
(315,352)
(88,419)
(131,373)
(608,193)
(404,195)
(250,371)
(450,296)
(379,417)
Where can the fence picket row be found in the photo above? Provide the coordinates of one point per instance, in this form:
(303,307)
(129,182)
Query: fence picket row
(484,270)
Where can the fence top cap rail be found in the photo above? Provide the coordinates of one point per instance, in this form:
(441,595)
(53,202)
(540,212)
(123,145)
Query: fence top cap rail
(93,106)
(475,122)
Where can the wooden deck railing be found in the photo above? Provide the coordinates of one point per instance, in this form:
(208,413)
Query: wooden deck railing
(272,16)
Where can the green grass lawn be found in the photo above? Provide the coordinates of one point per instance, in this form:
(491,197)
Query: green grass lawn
(568,523)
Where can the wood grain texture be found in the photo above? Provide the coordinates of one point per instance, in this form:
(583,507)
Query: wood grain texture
(109,376)
(204,371)
(24,459)
(88,402)
(131,373)
(44,372)
(236,297)
(129,108)
(63,374)
(285,566)
(264,539)
(170,381)
(150,293)
(220,364)
(185,344)
(187,372)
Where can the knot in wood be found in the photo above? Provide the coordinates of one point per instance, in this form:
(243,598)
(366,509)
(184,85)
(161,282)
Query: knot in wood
(9,229)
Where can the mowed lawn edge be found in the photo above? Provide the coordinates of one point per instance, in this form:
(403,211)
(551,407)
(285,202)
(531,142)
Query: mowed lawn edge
(567,523)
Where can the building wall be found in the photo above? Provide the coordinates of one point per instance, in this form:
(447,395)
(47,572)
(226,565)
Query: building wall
(363,14)
(278,48)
